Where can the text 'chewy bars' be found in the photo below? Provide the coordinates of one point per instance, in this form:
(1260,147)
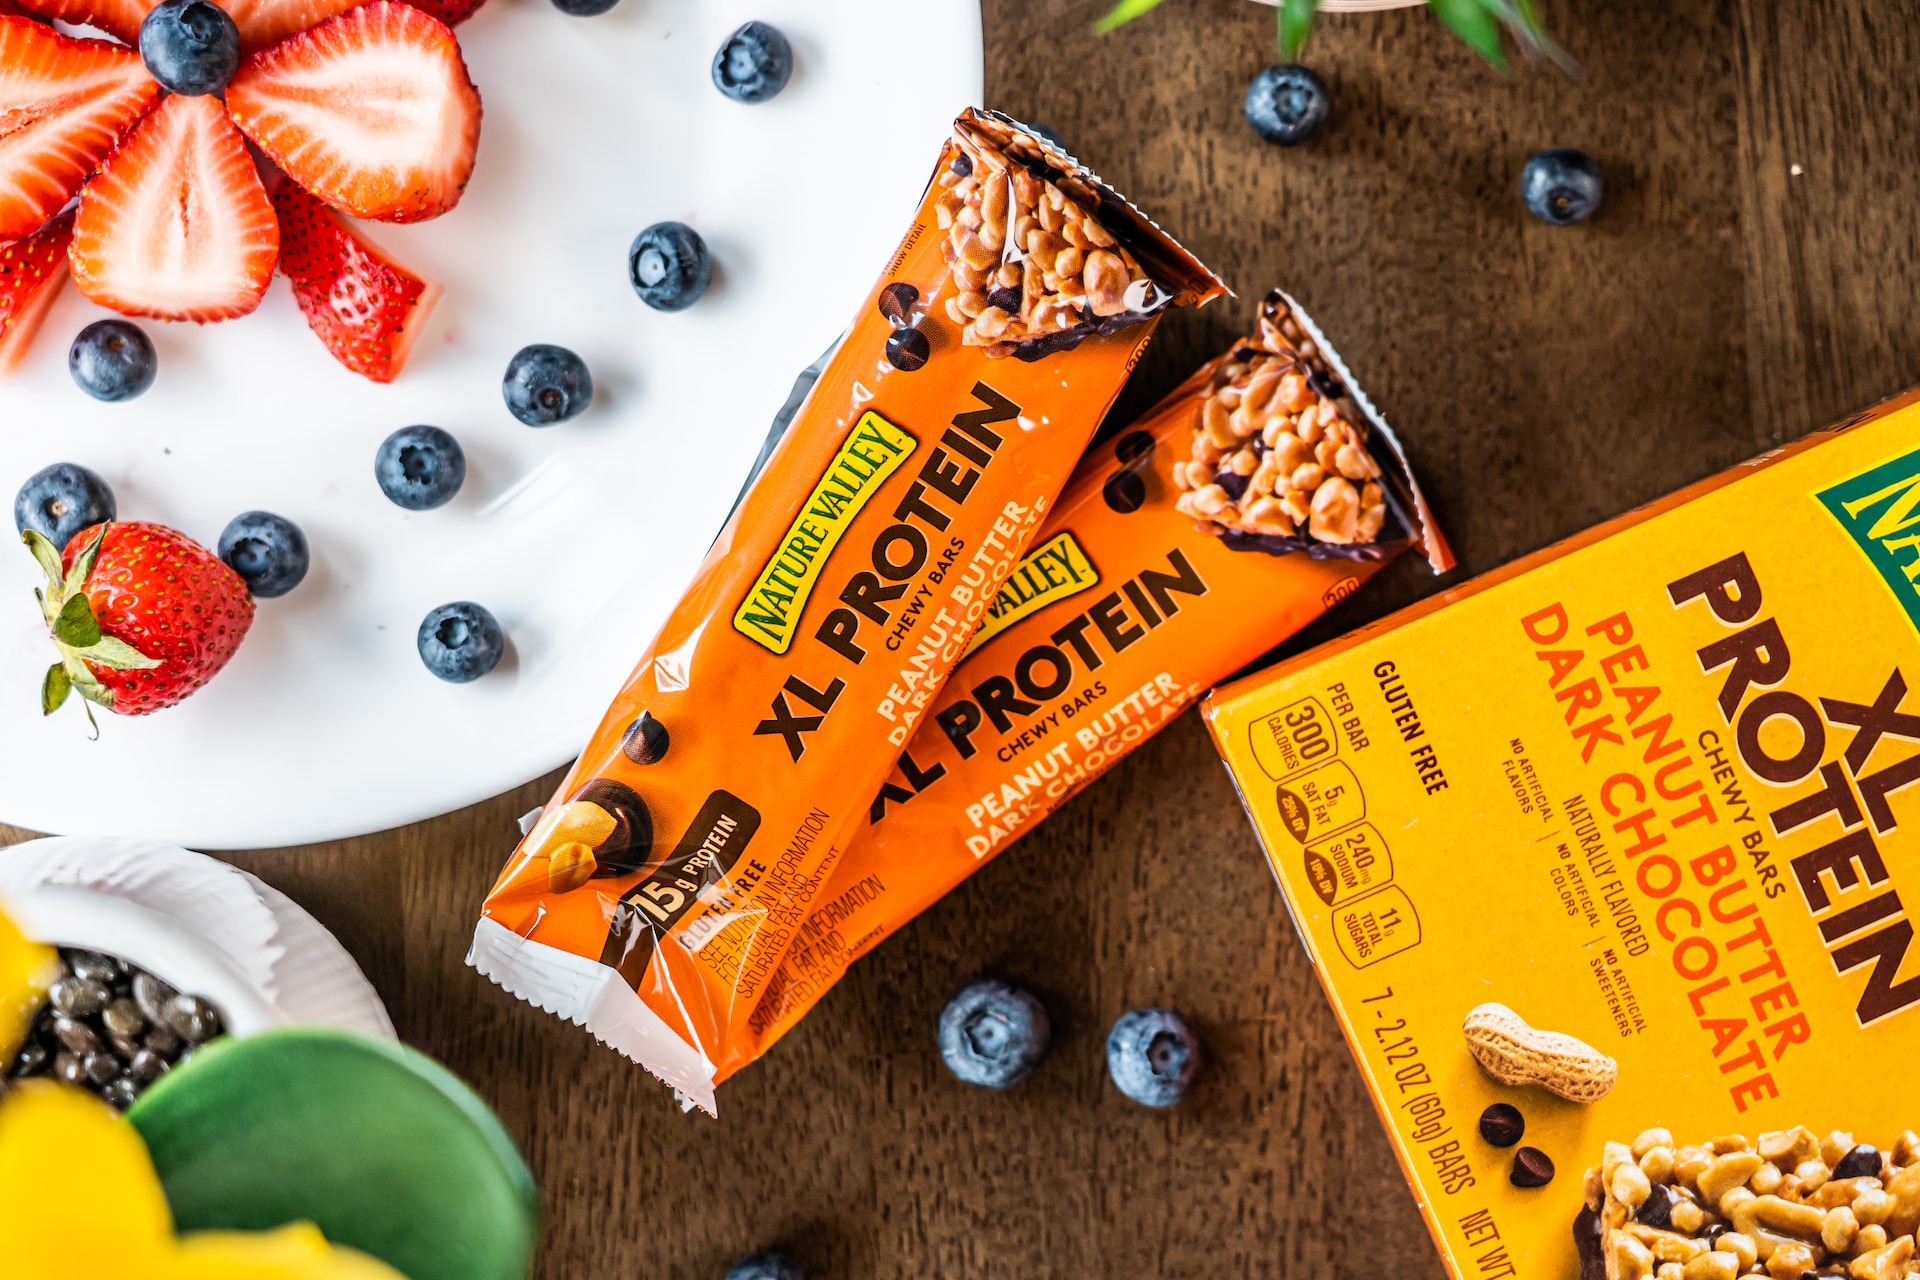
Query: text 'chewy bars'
(656,896)
(1606,862)
(1260,493)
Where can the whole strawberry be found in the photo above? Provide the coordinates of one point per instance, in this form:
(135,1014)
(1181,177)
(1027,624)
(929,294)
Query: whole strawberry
(142,614)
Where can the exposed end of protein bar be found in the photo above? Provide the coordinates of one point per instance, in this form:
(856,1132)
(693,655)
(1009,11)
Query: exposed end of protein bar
(1288,457)
(1044,255)
(1786,1206)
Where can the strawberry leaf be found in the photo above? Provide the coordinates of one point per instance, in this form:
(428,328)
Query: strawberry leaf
(44,551)
(1296,22)
(76,626)
(116,654)
(1124,12)
(54,689)
(83,563)
(1473,22)
(95,692)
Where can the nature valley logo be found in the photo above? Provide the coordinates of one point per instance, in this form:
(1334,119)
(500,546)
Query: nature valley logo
(1880,511)
(1054,570)
(872,452)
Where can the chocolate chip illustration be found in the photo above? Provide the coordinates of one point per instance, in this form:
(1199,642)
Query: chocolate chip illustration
(1657,1209)
(1531,1168)
(908,349)
(628,847)
(1502,1124)
(1124,491)
(896,302)
(1861,1162)
(646,740)
(1134,444)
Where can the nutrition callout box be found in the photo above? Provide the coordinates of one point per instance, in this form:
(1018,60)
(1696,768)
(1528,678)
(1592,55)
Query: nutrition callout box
(1652,792)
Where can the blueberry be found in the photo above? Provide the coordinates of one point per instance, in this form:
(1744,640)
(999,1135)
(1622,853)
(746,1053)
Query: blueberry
(765,1266)
(584,8)
(1153,1056)
(460,642)
(112,360)
(993,1035)
(420,468)
(669,266)
(546,384)
(1286,104)
(61,500)
(753,64)
(268,552)
(190,46)
(1561,186)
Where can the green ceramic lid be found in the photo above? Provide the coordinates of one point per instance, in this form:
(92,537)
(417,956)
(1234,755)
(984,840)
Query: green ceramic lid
(379,1146)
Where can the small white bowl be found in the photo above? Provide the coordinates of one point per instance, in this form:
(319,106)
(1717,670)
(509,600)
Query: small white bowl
(196,923)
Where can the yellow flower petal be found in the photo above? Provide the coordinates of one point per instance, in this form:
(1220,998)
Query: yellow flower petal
(297,1252)
(23,969)
(73,1175)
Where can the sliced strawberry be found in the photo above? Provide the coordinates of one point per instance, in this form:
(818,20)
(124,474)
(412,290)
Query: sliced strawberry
(64,103)
(451,12)
(372,111)
(266,22)
(118,18)
(31,273)
(176,224)
(367,308)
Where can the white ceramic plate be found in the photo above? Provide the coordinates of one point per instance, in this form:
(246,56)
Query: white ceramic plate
(579,537)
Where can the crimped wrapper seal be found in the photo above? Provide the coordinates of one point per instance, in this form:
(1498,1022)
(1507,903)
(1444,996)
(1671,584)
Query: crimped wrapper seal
(1133,603)
(653,899)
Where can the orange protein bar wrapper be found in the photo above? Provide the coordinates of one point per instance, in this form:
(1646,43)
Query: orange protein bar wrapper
(658,891)
(1259,494)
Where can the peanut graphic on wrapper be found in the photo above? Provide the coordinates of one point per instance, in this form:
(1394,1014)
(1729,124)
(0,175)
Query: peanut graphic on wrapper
(605,830)
(1514,1053)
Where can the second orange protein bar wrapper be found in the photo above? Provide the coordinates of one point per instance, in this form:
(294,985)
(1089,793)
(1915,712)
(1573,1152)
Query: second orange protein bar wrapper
(655,897)
(1156,576)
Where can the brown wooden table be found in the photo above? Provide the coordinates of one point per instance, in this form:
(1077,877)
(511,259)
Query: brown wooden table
(1753,274)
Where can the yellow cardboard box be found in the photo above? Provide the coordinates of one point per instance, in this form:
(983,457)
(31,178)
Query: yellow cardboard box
(1651,787)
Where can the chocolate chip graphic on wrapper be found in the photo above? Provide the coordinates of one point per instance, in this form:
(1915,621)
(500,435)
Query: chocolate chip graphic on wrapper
(1133,446)
(897,301)
(630,843)
(1532,1167)
(908,349)
(646,741)
(1502,1124)
(1862,1161)
(1657,1209)
(1124,491)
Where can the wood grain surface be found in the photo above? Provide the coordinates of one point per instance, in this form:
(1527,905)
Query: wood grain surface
(1752,275)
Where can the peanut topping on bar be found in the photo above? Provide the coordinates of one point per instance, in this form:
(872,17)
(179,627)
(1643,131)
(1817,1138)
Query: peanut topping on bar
(1788,1207)
(1034,269)
(1279,449)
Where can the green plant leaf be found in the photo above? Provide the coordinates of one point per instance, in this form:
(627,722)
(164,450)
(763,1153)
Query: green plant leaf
(1124,12)
(1474,22)
(1522,20)
(44,551)
(1296,23)
(377,1145)
(76,626)
(83,563)
(54,689)
(117,654)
